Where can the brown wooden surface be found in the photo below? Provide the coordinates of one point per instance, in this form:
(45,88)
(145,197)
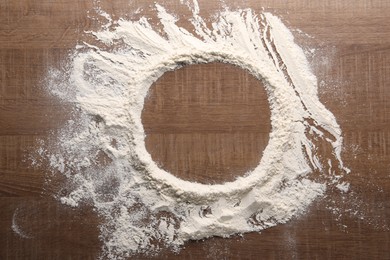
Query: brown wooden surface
(353,69)
(207,123)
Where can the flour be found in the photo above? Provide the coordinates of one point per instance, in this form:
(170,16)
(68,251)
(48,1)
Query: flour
(140,202)
(16,228)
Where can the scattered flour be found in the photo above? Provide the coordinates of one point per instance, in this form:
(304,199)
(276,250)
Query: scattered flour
(16,228)
(102,151)
(343,187)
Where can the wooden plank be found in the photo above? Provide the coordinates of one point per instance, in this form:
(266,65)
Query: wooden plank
(353,70)
(208,123)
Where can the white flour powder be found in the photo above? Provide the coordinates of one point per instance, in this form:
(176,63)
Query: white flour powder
(140,202)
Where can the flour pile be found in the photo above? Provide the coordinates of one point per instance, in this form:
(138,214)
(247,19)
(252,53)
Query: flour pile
(102,151)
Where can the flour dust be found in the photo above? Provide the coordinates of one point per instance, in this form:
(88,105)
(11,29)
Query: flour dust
(102,153)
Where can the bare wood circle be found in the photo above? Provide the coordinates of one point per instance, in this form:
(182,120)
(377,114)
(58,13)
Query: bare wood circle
(207,123)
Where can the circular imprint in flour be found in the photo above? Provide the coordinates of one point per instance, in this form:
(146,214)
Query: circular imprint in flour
(207,123)
(286,106)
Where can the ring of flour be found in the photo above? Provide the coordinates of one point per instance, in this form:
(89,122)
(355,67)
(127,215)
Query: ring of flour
(276,94)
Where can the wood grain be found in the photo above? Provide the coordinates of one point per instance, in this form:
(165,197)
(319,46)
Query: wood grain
(207,123)
(352,64)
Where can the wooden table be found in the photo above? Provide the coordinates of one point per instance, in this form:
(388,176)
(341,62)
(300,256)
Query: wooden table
(352,64)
